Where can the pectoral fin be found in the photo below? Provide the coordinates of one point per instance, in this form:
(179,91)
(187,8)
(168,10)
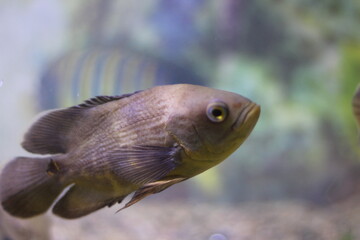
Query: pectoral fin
(143,164)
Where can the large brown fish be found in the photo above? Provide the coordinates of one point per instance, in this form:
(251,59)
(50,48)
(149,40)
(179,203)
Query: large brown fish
(108,147)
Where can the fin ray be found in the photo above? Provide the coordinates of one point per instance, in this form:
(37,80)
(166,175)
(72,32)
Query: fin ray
(151,188)
(98,100)
(144,164)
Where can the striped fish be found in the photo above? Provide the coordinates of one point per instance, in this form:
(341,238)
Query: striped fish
(356,105)
(83,74)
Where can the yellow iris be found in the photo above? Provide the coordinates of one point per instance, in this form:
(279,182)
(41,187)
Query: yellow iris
(217,112)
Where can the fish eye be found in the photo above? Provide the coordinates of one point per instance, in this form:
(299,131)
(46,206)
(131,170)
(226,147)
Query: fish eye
(217,112)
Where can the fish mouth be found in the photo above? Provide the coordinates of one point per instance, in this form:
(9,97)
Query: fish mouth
(247,117)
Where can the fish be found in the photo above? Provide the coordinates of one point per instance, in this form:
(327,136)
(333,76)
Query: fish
(82,74)
(356,105)
(100,151)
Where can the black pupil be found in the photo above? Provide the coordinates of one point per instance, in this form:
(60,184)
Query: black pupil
(216,112)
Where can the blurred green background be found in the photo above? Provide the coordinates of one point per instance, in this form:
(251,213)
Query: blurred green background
(300,60)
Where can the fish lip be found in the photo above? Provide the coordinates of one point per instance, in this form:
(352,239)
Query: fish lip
(250,110)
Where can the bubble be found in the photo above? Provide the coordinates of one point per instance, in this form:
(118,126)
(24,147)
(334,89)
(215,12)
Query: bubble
(218,236)
(1,83)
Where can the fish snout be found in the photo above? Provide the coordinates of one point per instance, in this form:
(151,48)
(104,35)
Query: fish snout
(247,117)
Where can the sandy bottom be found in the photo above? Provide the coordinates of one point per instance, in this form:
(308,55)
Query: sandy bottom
(180,220)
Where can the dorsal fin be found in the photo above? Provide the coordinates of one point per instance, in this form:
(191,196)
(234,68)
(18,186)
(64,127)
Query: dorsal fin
(51,133)
(98,100)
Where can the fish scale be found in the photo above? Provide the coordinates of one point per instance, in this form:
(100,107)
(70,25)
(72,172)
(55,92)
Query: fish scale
(149,122)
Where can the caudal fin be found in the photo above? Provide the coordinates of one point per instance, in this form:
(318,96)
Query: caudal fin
(27,188)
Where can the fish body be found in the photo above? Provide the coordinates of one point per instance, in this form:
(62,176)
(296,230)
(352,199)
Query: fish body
(79,75)
(110,146)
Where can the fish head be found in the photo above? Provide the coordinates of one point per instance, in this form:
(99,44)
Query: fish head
(211,124)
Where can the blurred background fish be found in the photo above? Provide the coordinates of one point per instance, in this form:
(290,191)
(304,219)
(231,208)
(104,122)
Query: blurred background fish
(80,75)
(356,105)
